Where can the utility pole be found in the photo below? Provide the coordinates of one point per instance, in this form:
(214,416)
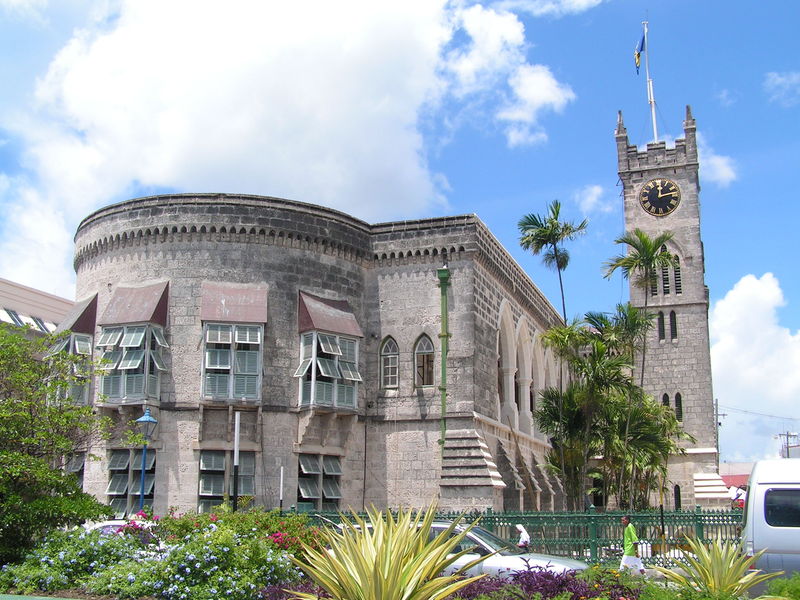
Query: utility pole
(786,444)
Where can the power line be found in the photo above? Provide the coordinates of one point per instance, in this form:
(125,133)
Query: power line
(751,412)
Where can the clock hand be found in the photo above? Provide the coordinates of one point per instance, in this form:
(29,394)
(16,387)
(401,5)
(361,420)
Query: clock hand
(660,195)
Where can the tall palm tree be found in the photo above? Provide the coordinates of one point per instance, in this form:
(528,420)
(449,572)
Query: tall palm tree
(546,234)
(625,331)
(641,264)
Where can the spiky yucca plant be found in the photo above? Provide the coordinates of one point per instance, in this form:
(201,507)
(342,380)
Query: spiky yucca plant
(719,567)
(387,558)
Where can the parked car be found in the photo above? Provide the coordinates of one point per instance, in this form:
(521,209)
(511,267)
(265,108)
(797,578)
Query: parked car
(772,514)
(509,558)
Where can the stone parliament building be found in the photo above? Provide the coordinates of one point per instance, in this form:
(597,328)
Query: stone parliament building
(325,334)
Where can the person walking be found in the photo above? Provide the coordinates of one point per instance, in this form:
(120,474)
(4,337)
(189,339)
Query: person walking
(630,547)
(524,538)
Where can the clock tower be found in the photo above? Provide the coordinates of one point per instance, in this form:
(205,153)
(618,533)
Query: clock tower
(661,192)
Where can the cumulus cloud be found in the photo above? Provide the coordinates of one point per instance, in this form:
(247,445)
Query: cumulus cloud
(496,47)
(590,200)
(536,90)
(783,88)
(716,168)
(259,98)
(756,367)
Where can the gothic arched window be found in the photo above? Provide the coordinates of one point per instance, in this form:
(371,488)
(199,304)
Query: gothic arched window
(678,407)
(677,273)
(661,331)
(664,274)
(423,359)
(673,325)
(665,399)
(390,358)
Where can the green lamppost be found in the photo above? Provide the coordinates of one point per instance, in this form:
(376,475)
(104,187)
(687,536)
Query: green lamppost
(146,425)
(444,337)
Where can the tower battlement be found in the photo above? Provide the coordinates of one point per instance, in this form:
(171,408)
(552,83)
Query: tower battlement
(657,155)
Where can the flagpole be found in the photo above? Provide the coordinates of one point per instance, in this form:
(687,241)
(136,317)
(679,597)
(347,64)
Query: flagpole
(651,99)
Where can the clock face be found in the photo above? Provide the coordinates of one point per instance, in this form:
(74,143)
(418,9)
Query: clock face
(660,197)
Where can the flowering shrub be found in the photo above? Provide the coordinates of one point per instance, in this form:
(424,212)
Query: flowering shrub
(283,531)
(65,559)
(222,563)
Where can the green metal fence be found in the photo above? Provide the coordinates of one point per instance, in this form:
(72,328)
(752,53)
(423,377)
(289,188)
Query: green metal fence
(596,537)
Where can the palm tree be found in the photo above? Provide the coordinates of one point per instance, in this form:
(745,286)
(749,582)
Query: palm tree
(546,234)
(597,373)
(642,261)
(625,331)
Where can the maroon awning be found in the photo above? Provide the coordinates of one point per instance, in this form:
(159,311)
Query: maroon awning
(320,314)
(142,304)
(233,302)
(82,317)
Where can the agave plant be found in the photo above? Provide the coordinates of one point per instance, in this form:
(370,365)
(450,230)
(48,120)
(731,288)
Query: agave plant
(719,567)
(387,558)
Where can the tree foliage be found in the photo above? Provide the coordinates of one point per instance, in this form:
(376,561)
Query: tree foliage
(40,428)
(602,423)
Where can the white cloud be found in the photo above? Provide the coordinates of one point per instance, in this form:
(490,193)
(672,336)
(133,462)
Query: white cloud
(30,9)
(716,168)
(756,366)
(590,200)
(549,8)
(536,90)
(262,98)
(496,47)
(725,98)
(783,88)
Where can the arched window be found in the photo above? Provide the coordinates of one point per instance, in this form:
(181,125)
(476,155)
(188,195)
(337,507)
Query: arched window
(677,273)
(678,407)
(664,275)
(390,355)
(423,359)
(665,399)
(673,325)
(676,496)
(653,284)
(661,331)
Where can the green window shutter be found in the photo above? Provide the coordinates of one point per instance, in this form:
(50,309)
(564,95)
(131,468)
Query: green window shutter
(217,385)
(245,386)
(218,358)
(247,362)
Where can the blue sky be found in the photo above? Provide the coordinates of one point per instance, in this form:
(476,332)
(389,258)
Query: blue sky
(393,110)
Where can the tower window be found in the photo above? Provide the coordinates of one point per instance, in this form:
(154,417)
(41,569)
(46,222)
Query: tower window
(673,325)
(678,407)
(665,400)
(318,482)
(328,370)
(678,283)
(131,363)
(664,274)
(232,366)
(661,331)
(390,356)
(423,357)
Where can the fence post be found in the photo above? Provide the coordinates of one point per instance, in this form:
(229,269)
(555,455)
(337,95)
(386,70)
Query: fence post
(698,523)
(593,533)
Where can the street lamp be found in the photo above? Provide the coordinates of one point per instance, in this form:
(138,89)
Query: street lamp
(146,425)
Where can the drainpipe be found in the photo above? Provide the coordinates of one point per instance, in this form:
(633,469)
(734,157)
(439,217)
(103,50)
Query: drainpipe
(444,282)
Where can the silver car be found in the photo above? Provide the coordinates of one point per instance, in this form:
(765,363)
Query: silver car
(508,558)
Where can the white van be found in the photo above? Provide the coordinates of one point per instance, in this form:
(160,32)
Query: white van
(772,514)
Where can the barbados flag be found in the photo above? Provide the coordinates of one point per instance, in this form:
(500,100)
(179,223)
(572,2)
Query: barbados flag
(637,54)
